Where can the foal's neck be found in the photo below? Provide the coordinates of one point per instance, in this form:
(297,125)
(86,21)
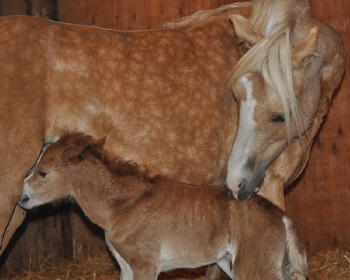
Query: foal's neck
(96,187)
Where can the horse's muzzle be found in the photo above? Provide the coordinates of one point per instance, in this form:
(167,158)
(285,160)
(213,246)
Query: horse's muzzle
(23,200)
(243,193)
(246,190)
(229,192)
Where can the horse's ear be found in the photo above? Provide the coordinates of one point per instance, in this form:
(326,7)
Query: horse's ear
(306,48)
(245,31)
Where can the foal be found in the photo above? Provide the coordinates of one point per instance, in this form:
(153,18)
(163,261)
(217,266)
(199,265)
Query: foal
(153,224)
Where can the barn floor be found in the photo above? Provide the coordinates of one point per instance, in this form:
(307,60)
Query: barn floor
(332,265)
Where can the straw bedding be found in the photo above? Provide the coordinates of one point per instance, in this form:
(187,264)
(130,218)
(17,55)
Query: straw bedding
(331,265)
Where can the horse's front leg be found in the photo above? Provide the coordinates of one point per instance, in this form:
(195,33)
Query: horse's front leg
(10,224)
(11,216)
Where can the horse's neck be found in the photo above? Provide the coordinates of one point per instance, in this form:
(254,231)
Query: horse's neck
(98,188)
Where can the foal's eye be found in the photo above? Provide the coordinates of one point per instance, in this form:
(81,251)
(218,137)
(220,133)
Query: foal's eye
(277,118)
(42,174)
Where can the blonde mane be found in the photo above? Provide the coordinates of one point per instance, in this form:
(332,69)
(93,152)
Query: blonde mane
(271,57)
(203,16)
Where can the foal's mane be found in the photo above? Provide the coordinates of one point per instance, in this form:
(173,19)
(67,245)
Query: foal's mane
(271,57)
(88,146)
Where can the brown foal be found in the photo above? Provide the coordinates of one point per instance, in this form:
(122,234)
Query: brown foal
(154,224)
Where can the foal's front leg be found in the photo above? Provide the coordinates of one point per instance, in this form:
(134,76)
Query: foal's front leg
(134,266)
(126,272)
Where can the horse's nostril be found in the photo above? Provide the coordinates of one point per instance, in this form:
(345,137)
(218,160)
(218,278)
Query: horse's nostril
(244,195)
(240,185)
(230,194)
(24,199)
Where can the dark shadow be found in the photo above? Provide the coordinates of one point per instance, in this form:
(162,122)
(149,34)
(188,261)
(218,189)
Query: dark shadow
(18,262)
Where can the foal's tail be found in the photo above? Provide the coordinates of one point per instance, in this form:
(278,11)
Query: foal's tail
(295,263)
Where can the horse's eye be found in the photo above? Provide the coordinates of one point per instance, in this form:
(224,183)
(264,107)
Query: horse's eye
(42,174)
(277,118)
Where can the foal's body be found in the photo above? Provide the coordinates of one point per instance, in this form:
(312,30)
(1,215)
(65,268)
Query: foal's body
(154,225)
(171,225)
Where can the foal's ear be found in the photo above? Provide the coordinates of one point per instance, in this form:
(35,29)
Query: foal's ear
(100,143)
(76,154)
(73,154)
(245,31)
(306,48)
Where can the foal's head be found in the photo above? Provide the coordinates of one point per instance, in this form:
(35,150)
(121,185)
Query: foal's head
(52,175)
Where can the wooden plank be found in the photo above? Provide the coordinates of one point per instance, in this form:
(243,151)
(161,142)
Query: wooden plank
(320,204)
(12,7)
(131,14)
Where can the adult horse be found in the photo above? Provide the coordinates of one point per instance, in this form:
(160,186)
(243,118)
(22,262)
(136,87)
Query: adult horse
(160,95)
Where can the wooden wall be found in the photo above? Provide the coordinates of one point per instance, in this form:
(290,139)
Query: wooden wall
(131,14)
(319,202)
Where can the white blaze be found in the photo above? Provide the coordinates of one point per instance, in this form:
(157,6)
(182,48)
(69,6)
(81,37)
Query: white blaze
(244,139)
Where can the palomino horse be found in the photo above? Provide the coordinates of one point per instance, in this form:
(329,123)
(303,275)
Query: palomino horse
(158,95)
(154,224)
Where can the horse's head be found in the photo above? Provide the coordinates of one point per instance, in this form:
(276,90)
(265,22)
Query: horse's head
(51,177)
(260,137)
(275,103)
